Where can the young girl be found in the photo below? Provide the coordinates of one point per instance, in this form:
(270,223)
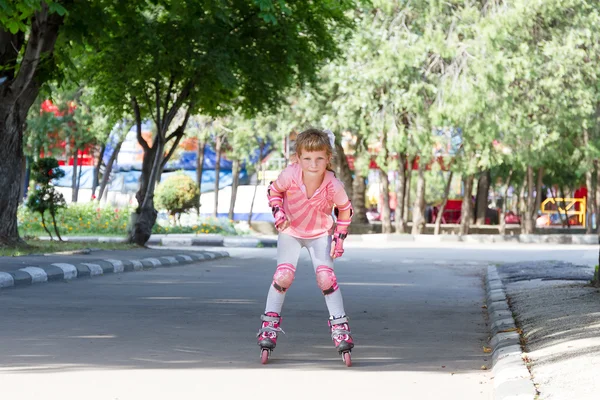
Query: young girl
(302,199)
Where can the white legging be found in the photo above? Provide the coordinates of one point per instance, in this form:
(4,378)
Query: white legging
(288,252)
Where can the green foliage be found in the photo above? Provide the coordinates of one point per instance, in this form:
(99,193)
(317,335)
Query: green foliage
(14,15)
(90,219)
(46,199)
(44,170)
(177,194)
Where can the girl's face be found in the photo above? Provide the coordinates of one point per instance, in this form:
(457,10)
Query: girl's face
(313,163)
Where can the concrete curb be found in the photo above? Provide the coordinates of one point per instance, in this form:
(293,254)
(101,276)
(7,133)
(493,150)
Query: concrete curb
(512,379)
(581,239)
(30,275)
(208,240)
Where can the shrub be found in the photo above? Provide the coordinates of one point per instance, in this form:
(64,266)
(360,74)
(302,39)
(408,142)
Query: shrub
(45,197)
(177,194)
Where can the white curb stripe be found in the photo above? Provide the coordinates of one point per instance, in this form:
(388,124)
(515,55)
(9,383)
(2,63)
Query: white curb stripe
(171,259)
(137,265)
(6,280)
(69,270)
(95,269)
(154,261)
(118,264)
(185,257)
(38,275)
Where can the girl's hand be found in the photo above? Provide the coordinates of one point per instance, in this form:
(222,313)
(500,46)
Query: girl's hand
(337,245)
(283,225)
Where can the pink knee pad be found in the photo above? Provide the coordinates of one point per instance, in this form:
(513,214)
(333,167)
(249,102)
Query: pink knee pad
(283,277)
(326,279)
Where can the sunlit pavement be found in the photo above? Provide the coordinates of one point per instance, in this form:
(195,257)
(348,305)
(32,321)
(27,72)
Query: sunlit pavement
(187,332)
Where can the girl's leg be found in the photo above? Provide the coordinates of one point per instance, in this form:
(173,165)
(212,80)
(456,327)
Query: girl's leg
(319,250)
(288,252)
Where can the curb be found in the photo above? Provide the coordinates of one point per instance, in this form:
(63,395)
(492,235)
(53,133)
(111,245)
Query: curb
(512,379)
(208,240)
(30,275)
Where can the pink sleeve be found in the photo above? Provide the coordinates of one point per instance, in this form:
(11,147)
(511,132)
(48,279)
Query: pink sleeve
(340,198)
(284,180)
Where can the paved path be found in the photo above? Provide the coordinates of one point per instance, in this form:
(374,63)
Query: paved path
(187,332)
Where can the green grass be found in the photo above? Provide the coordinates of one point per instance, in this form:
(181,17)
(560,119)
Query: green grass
(47,247)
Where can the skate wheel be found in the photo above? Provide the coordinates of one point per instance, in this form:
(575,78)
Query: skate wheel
(264,356)
(347,359)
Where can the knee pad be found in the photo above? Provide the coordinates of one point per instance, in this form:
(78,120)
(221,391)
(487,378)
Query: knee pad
(283,277)
(326,279)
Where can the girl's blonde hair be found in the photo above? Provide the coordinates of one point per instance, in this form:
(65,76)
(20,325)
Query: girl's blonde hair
(315,140)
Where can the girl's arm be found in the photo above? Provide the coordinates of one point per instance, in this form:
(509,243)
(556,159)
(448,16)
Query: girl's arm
(341,230)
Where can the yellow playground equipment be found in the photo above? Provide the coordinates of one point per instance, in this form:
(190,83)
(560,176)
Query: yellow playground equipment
(566,206)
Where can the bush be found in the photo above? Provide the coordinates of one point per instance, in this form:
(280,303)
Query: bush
(177,194)
(45,197)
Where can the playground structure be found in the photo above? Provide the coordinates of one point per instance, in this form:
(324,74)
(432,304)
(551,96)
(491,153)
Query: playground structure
(571,208)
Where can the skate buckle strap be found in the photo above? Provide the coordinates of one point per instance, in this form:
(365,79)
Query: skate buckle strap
(340,320)
(269,329)
(268,318)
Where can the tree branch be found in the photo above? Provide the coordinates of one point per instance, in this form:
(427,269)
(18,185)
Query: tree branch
(159,126)
(177,134)
(138,124)
(168,97)
(183,96)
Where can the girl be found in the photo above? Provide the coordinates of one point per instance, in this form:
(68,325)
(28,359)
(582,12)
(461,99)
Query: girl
(302,199)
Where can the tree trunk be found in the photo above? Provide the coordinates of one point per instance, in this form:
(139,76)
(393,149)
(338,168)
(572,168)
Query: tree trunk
(144,217)
(218,143)
(409,174)
(359,187)
(400,220)
(20,59)
(234,186)
(74,177)
(24,178)
(342,169)
(108,169)
(260,160)
(530,202)
(96,179)
(200,168)
(502,219)
(11,158)
(438,220)
(538,193)
(384,188)
(419,207)
(481,203)
(466,210)
(597,197)
(590,201)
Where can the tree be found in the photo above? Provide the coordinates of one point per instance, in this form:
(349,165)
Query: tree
(28,34)
(140,53)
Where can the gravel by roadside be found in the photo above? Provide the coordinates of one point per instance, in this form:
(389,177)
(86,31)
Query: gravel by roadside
(557,314)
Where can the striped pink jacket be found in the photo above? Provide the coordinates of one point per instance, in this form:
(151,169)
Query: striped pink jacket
(310,218)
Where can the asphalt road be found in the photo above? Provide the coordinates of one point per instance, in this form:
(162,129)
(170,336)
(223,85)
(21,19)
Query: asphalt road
(188,332)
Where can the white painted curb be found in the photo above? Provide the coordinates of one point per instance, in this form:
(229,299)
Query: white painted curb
(38,275)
